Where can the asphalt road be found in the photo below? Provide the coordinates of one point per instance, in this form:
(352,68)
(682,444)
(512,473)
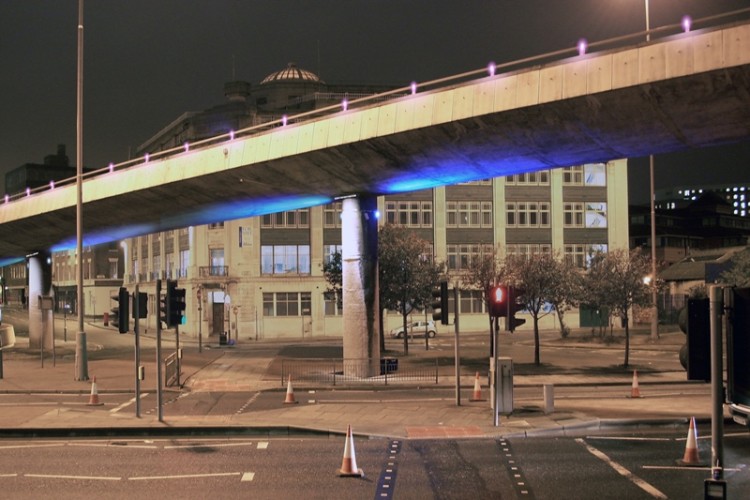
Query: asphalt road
(634,466)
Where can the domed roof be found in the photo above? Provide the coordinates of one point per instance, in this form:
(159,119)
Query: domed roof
(292,73)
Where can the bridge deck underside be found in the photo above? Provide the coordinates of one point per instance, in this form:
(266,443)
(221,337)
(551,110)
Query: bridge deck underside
(700,110)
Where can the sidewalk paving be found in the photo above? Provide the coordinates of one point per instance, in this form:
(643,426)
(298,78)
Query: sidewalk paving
(398,410)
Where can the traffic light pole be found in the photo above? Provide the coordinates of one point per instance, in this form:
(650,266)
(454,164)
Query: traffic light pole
(159,404)
(456,353)
(136,329)
(717,381)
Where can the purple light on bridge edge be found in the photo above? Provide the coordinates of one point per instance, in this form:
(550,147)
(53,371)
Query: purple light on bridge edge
(686,23)
(582,44)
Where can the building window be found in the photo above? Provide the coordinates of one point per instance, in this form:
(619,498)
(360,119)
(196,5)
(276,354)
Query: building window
(579,255)
(590,214)
(483,182)
(596,215)
(527,250)
(469,214)
(573,176)
(184,263)
(540,178)
(472,301)
(590,174)
(573,214)
(527,214)
(329,251)
(285,259)
(216,225)
(460,256)
(289,219)
(332,215)
(287,304)
(332,306)
(409,213)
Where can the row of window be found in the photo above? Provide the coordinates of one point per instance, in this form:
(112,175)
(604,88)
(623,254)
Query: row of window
(590,174)
(295,259)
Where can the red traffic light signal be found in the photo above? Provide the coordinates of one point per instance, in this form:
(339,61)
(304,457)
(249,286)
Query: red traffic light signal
(498,301)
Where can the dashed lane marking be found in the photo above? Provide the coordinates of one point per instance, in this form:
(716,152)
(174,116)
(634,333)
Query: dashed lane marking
(62,476)
(387,479)
(516,474)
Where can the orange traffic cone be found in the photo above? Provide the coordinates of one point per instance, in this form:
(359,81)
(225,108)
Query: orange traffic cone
(635,391)
(349,463)
(289,392)
(477,394)
(94,398)
(691,458)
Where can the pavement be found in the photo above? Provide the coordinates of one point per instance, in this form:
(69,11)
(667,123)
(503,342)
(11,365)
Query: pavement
(408,408)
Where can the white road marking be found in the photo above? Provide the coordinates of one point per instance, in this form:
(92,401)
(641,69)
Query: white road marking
(60,476)
(127,403)
(677,467)
(248,476)
(16,446)
(8,475)
(262,445)
(114,445)
(629,438)
(623,471)
(185,476)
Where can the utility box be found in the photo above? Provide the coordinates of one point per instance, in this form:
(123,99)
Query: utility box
(504,397)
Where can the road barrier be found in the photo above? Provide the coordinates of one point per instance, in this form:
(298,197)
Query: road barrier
(355,371)
(171,365)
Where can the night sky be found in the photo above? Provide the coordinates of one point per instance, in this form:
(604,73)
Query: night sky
(149,61)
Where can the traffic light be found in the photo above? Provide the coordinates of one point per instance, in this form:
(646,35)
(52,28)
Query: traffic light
(514,306)
(738,355)
(695,321)
(173,305)
(498,301)
(123,307)
(176,306)
(164,303)
(142,305)
(440,303)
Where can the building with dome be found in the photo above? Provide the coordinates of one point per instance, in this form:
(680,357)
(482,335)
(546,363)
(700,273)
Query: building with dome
(262,277)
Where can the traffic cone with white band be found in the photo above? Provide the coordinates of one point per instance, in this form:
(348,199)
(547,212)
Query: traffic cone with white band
(691,457)
(635,392)
(289,392)
(349,463)
(94,398)
(477,394)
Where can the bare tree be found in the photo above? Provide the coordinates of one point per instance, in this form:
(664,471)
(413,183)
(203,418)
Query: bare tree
(566,290)
(407,273)
(539,278)
(617,276)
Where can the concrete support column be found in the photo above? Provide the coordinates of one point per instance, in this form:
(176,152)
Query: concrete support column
(359,269)
(40,284)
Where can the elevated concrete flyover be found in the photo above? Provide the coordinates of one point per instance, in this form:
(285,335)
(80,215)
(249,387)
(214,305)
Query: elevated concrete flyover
(683,91)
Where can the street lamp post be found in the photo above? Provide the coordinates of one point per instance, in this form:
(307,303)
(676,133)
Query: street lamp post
(652,196)
(81,360)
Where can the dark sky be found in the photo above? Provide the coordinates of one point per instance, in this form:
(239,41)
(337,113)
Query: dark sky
(148,61)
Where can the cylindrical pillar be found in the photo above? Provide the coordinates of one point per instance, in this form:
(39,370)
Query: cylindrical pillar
(359,273)
(40,285)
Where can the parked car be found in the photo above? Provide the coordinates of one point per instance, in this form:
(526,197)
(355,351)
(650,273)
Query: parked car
(415,329)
